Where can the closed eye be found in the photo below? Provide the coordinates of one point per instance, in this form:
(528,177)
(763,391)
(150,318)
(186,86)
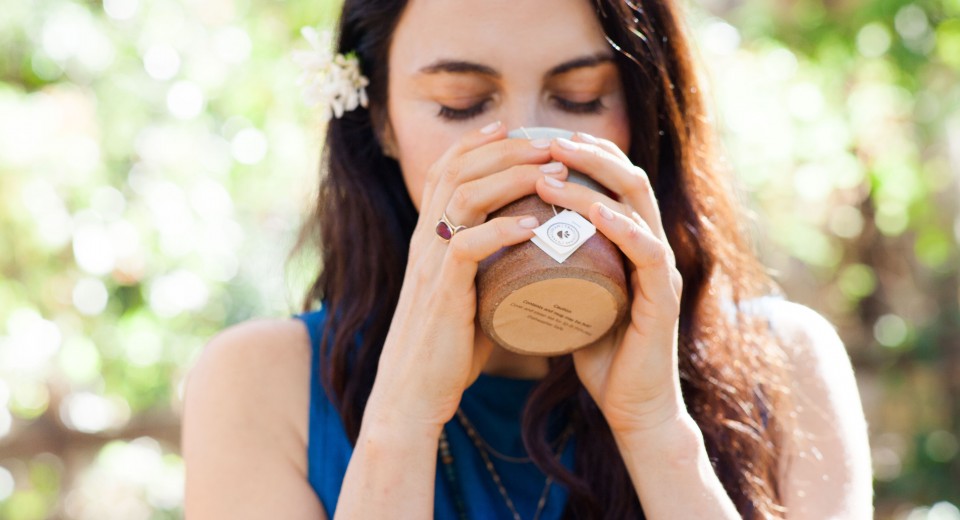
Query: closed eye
(460,114)
(589,107)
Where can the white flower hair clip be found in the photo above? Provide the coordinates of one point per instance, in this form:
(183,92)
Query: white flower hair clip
(332,81)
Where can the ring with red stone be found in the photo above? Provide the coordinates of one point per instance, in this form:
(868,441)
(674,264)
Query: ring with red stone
(446,229)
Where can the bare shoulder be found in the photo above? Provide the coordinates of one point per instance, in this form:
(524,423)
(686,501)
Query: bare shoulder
(256,351)
(810,341)
(258,368)
(245,424)
(805,329)
(827,471)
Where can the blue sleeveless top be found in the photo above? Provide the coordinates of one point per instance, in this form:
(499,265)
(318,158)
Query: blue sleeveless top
(493,404)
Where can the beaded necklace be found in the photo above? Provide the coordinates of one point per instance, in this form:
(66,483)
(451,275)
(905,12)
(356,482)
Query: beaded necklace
(483,447)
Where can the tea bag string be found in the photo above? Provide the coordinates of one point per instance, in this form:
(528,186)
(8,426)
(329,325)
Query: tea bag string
(524,130)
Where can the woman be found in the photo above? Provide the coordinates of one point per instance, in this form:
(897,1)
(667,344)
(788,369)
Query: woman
(708,401)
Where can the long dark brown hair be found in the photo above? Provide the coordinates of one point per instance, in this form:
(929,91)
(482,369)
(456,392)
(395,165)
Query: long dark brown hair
(731,368)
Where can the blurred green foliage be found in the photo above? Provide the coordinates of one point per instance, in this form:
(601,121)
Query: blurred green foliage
(154,156)
(842,120)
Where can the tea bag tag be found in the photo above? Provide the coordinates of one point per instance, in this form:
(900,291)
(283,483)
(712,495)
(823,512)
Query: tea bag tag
(563,234)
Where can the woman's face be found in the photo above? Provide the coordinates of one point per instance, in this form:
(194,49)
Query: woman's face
(455,66)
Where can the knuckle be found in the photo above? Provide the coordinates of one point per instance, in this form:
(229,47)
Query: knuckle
(433,172)
(419,268)
(452,169)
(423,275)
(501,233)
(655,255)
(676,280)
(529,172)
(462,196)
(634,231)
(429,185)
(460,246)
(639,182)
(611,148)
(596,152)
(508,150)
(659,254)
(673,255)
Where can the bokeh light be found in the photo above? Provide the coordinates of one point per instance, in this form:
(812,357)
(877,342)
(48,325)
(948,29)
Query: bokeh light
(156,160)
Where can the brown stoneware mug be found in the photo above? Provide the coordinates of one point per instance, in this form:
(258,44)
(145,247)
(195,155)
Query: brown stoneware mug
(530,303)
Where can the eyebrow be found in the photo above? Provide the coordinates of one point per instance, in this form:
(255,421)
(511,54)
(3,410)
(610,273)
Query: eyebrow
(468,67)
(593,60)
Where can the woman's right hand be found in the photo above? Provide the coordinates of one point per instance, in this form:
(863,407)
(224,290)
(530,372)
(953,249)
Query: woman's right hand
(431,355)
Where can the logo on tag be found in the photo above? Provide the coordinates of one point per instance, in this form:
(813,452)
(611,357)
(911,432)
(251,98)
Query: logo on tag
(563,234)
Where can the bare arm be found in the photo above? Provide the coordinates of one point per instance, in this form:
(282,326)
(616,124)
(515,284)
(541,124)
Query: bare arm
(431,355)
(247,401)
(634,378)
(672,474)
(828,473)
(392,472)
(245,423)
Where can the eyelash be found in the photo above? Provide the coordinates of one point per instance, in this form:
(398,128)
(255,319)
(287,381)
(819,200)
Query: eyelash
(590,107)
(459,115)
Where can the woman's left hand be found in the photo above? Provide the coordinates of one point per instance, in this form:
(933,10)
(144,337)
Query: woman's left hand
(633,374)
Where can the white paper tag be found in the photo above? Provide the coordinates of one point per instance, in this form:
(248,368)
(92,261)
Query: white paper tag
(560,236)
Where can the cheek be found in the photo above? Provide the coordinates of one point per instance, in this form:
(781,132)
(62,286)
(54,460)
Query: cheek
(618,126)
(421,144)
(622,135)
(613,125)
(613,129)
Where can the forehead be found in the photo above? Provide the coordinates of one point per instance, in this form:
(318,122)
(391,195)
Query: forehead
(509,35)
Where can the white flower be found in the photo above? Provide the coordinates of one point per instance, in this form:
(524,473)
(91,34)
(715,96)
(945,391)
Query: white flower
(332,81)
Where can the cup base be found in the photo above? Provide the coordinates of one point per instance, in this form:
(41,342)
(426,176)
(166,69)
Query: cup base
(552,316)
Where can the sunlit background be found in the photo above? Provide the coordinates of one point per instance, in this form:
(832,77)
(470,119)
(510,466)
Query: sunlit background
(155,161)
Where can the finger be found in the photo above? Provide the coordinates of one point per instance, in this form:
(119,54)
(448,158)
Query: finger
(472,201)
(468,247)
(573,196)
(581,199)
(481,352)
(605,144)
(642,223)
(467,142)
(623,177)
(656,273)
(485,160)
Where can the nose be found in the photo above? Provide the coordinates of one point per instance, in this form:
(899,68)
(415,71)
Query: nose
(523,112)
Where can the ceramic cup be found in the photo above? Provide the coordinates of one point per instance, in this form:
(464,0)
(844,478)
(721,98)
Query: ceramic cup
(530,303)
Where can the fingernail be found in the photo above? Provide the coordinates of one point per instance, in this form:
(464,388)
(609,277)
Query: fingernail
(528,222)
(566,143)
(606,212)
(587,138)
(540,143)
(552,167)
(553,182)
(491,128)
